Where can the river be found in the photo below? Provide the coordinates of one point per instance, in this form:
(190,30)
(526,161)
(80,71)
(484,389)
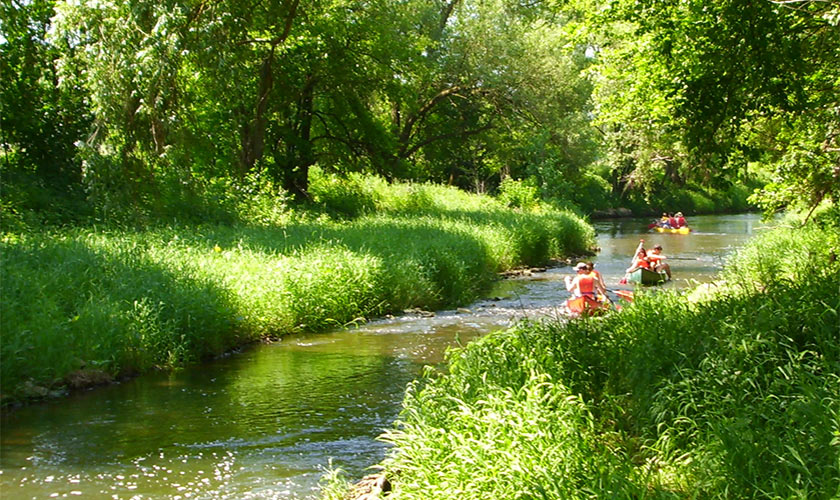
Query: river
(267,422)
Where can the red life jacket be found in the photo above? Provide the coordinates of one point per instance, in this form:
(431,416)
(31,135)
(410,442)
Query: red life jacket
(680,222)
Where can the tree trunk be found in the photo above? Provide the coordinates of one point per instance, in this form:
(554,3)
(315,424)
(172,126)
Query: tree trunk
(299,152)
(253,133)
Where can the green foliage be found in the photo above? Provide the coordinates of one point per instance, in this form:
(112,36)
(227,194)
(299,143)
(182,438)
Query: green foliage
(692,199)
(803,152)
(518,194)
(728,391)
(689,92)
(125,301)
(42,109)
(351,196)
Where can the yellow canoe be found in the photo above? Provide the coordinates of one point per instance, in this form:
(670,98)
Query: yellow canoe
(682,230)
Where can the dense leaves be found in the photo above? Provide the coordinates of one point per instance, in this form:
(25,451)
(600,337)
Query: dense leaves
(706,91)
(147,104)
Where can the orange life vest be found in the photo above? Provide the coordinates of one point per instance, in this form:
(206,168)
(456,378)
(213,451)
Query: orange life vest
(641,263)
(586,284)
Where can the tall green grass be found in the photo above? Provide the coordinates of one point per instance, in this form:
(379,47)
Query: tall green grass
(734,393)
(122,302)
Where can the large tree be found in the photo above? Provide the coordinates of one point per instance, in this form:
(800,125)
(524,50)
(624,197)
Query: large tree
(699,90)
(415,89)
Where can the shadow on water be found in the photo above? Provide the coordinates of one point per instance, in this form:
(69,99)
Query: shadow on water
(265,423)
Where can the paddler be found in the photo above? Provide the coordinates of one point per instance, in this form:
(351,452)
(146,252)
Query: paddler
(596,274)
(584,284)
(655,257)
(640,259)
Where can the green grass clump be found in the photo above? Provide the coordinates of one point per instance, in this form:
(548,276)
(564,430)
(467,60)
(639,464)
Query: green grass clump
(123,302)
(734,393)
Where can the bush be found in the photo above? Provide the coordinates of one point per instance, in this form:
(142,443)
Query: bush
(350,196)
(518,194)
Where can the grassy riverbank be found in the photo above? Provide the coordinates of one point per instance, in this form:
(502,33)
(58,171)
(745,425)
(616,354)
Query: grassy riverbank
(731,391)
(87,304)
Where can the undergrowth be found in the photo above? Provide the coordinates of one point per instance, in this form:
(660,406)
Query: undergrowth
(729,393)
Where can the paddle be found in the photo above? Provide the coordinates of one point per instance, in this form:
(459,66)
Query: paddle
(624,294)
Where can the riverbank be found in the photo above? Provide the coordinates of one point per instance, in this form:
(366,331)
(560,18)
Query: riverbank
(86,305)
(728,392)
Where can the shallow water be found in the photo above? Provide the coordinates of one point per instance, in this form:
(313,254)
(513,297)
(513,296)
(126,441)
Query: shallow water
(268,421)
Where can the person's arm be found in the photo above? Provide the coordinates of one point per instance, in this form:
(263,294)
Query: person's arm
(636,252)
(600,288)
(570,283)
(602,282)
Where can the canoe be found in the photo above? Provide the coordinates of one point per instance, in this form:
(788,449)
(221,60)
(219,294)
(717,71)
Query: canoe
(647,277)
(682,230)
(586,306)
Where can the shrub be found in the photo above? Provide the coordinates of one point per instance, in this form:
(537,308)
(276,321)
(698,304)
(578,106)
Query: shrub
(518,194)
(350,196)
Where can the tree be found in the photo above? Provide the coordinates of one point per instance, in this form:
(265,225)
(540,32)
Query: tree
(42,112)
(716,85)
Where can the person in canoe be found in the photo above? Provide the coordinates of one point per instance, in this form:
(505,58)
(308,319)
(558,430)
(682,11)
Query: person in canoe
(640,259)
(664,221)
(596,274)
(655,257)
(680,220)
(584,284)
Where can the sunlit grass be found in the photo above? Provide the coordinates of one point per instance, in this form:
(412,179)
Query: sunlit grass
(735,395)
(123,302)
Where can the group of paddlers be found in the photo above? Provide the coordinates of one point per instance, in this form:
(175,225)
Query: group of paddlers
(589,292)
(652,260)
(671,221)
(588,289)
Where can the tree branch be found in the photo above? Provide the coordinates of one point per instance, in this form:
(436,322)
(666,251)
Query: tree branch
(441,137)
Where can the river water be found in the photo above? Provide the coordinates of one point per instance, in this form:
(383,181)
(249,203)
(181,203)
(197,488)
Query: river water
(267,422)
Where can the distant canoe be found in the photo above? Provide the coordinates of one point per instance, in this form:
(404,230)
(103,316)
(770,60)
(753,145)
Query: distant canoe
(682,230)
(647,277)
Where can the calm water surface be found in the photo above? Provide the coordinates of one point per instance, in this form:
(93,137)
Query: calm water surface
(267,422)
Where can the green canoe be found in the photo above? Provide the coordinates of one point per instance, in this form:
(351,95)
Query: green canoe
(646,277)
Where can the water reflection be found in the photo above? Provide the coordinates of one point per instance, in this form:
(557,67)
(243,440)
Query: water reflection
(265,423)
